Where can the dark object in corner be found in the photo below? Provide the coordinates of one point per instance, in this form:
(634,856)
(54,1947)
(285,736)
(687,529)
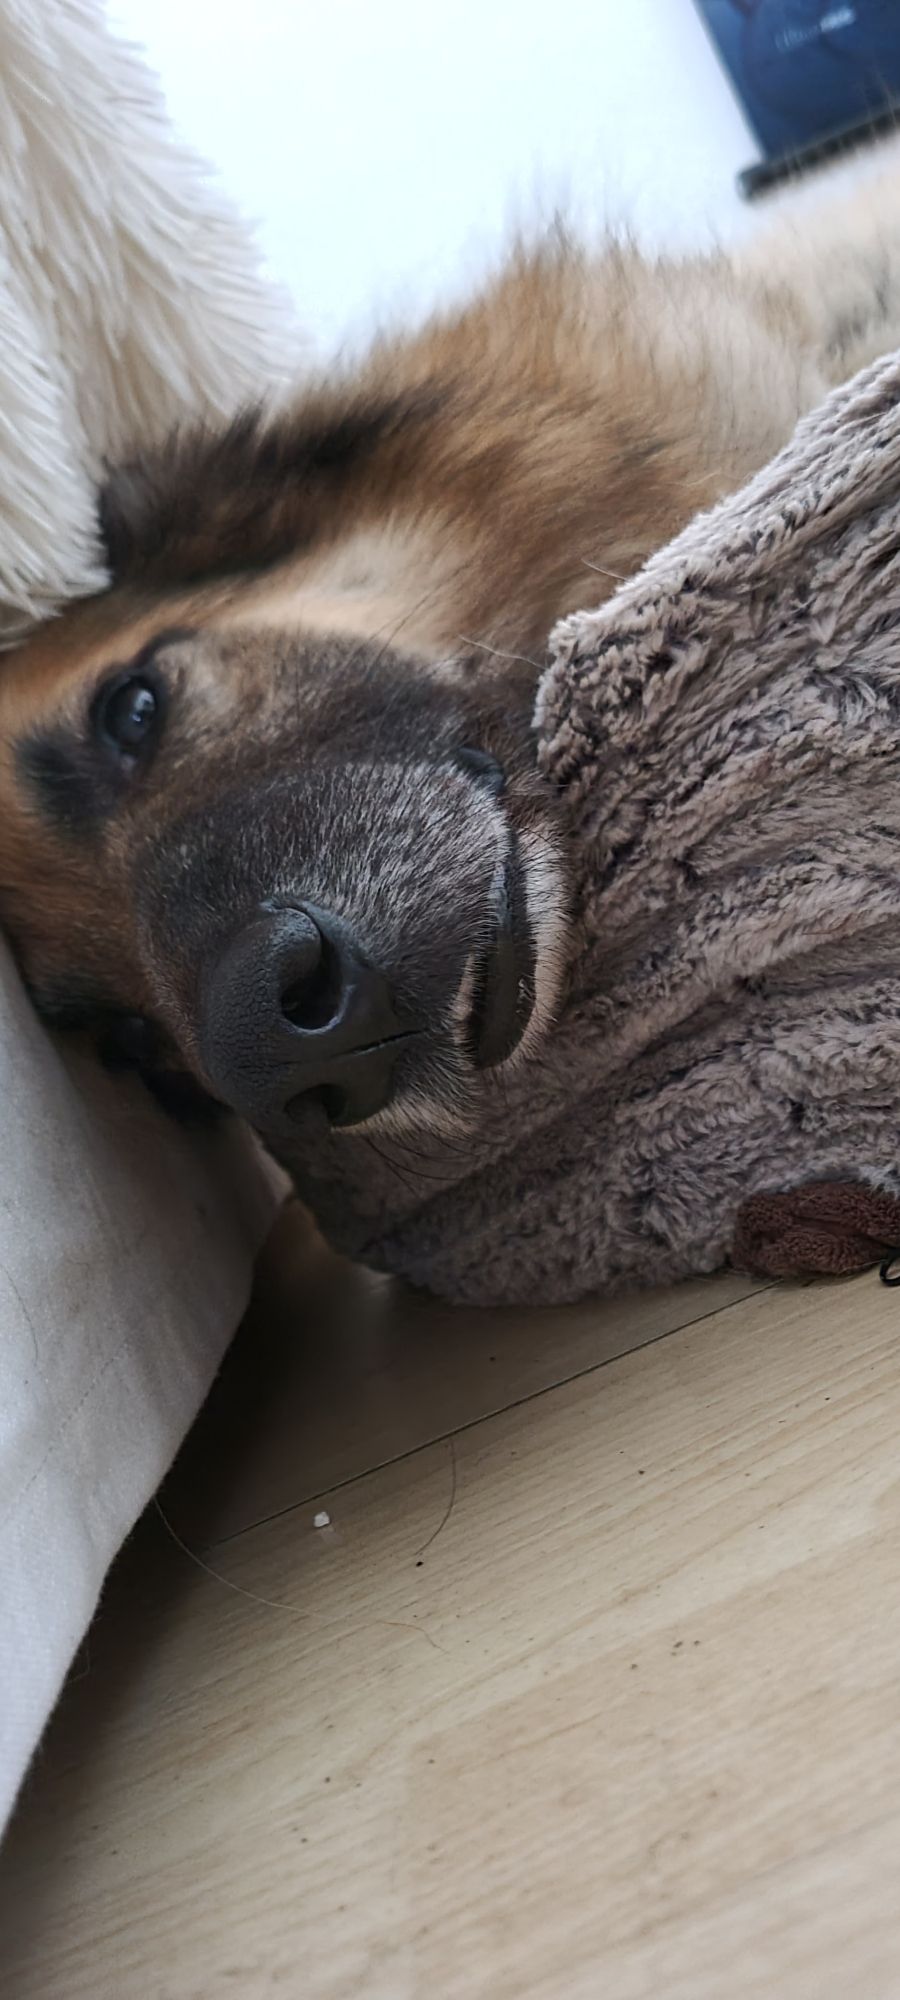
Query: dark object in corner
(826,1229)
(766,174)
(813,77)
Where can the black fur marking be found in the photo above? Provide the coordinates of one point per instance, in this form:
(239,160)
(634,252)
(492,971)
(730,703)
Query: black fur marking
(216,503)
(63,781)
(131,1043)
(71,1011)
(184,1100)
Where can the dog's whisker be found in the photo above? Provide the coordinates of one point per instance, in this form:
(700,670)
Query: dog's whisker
(442,1147)
(392,1165)
(389,634)
(523,659)
(615,575)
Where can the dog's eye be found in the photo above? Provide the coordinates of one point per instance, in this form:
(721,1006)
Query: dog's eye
(127,715)
(482,768)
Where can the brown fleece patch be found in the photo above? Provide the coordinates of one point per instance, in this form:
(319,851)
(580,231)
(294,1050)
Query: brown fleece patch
(830,1228)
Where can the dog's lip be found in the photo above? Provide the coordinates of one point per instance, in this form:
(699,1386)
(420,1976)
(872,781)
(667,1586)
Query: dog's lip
(297,1107)
(503,990)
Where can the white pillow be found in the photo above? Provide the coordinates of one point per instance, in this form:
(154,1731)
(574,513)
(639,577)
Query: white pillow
(125,1259)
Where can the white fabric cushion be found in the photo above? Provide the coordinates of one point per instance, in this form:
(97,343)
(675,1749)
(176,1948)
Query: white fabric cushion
(125,1260)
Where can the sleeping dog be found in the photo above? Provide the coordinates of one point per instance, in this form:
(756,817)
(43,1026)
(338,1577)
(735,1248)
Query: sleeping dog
(270,826)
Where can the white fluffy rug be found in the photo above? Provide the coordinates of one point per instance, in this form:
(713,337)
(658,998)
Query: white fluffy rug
(130,292)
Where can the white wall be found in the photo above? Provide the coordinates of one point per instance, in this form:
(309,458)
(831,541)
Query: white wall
(386,145)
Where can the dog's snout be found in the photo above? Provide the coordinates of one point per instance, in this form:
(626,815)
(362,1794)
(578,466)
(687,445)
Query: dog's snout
(292,1009)
(312,974)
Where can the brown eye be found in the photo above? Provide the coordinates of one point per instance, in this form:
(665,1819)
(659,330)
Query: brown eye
(127,715)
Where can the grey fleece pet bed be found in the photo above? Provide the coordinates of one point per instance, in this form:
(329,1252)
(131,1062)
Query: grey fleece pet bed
(724,736)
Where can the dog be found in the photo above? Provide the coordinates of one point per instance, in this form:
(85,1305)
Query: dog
(270,824)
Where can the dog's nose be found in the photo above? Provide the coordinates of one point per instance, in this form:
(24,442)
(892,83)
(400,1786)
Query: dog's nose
(292,1008)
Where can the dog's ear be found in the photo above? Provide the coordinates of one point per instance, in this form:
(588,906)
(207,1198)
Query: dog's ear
(216,502)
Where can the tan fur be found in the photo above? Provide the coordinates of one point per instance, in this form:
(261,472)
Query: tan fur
(470,484)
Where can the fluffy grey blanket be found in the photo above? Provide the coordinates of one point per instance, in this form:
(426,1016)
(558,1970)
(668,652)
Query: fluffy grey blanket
(725,737)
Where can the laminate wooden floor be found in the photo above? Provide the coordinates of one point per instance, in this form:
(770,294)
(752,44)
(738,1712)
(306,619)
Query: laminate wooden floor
(590,1689)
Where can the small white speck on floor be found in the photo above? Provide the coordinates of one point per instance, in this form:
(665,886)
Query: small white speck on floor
(322,1520)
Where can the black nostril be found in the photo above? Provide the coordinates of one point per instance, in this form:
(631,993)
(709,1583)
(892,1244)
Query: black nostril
(313,997)
(294,1013)
(334,1102)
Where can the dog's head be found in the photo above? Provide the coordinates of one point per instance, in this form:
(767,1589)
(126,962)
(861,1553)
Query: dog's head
(317,877)
(268,819)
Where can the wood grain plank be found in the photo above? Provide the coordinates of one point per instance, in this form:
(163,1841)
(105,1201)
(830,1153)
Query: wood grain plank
(336,1372)
(622,1721)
